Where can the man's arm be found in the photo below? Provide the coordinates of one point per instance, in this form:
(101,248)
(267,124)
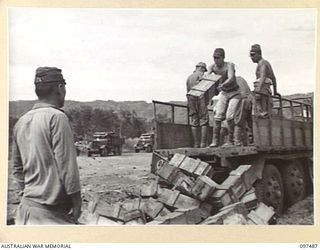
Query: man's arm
(210,70)
(65,155)
(263,76)
(274,83)
(18,167)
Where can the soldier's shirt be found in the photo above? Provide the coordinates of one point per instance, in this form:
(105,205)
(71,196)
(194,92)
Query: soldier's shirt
(194,79)
(45,164)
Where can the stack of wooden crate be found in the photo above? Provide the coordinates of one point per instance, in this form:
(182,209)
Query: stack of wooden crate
(184,193)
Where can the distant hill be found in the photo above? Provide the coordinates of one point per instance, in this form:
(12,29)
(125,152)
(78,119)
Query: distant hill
(142,108)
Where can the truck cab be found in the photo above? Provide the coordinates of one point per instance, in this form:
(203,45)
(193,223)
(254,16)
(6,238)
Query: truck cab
(145,142)
(105,143)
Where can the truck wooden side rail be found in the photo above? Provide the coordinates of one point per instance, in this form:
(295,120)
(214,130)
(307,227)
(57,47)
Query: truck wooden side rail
(282,152)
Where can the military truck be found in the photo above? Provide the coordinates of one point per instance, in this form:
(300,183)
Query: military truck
(281,154)
(105,143)
(145,142)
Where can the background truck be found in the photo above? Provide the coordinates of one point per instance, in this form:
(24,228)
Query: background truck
(105,143)
(282,152)
(145,142)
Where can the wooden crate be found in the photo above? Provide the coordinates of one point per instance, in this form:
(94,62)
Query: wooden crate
(206,88)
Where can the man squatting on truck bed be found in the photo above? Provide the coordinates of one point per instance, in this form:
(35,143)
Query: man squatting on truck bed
(234,102)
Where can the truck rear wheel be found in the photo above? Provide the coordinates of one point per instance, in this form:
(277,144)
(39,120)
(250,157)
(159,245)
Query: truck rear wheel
(104,152)
(136,150)
(295,183)
(269,189)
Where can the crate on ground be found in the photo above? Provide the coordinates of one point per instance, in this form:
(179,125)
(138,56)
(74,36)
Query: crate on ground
(247,174)
(180,217)
(235,183)
(152,208)
(174,199)
(157,161)
(150,189)
(235,219)
(263,214)
(203,188)
(190,166)
(250,199)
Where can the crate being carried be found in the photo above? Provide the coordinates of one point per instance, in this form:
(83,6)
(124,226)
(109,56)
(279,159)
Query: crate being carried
(206,88)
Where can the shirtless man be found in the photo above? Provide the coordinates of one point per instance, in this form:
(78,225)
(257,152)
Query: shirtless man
(265,78)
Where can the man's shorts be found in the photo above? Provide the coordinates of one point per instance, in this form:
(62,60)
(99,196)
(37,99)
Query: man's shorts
(198,111)
(227,105)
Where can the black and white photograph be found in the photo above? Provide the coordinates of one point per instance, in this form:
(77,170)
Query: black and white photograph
(161,116)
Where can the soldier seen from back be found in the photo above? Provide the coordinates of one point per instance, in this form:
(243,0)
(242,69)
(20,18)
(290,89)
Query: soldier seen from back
(44,155)
(198,108)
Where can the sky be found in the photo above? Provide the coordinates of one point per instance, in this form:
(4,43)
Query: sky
(147,54)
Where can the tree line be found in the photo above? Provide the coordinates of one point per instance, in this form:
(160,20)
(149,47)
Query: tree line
(86,120)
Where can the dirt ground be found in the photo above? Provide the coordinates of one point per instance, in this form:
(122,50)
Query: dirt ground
(114,178)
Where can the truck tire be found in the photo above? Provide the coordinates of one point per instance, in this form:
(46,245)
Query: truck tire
(104,152)
(295,182)
(149,149)
(89,154)
(136,150)
(269,189)
(120,150)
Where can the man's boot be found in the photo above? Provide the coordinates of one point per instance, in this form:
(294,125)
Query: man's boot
(204,131)
(238,136)
(195,136)
(216,135)
(230,134)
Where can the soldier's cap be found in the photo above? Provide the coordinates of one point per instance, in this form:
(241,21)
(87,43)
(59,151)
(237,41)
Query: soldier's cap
(255,49)
(48,75)
(219,52)
(202,65)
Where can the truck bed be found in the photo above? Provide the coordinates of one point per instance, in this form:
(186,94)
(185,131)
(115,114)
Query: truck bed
(234,151)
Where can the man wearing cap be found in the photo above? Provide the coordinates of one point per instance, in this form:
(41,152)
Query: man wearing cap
(228,99)
(44,157)
(198,108)
(265,77)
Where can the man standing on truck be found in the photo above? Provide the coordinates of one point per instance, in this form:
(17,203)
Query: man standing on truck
(229,97)
(198,108)
(265,77)
(44,157)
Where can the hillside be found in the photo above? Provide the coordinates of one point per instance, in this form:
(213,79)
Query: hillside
(142,108)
